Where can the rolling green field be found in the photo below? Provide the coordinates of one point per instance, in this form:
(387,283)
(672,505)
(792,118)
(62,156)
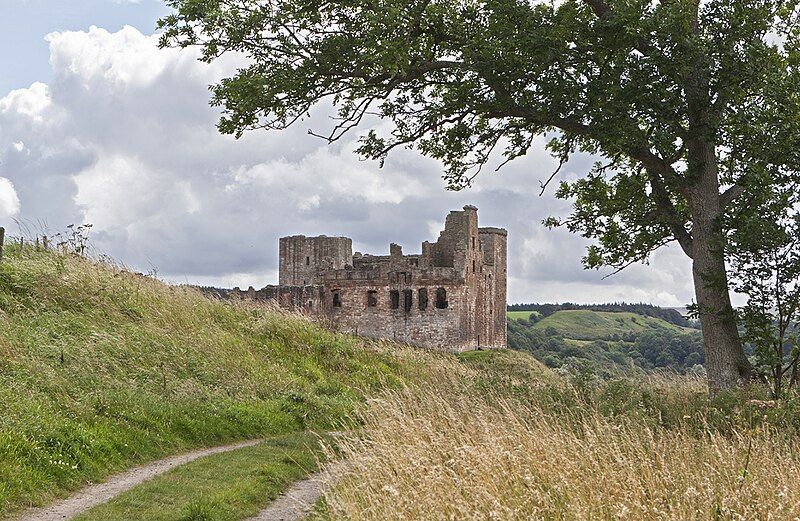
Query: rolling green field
(596,325)
(606,343)
(516,315)
(102,369)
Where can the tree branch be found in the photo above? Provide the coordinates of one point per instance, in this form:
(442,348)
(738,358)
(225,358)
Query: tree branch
(600,8)
(730,195)
(669,215)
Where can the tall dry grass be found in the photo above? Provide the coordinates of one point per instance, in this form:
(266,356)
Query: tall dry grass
(454,453)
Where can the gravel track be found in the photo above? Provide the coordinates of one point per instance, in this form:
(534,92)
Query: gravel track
(94,495)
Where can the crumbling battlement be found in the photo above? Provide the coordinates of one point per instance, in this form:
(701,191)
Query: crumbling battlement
(451,296)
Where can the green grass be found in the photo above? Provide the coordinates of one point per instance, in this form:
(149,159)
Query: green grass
(223,487)
(101,369)
(582,324)
(517,315)
(507,365)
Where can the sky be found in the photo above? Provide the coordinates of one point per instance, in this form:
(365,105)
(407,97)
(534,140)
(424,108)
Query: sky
(98,125)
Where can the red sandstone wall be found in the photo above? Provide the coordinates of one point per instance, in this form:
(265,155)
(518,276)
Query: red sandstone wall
(303,260)
(319,275)
(433,328)
(495,281)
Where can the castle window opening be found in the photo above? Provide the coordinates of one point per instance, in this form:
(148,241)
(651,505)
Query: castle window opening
(407,300)
(394,296)
(337,299)
(422,297)
(441,298)
(473,243)
(308,261)
(473,266)
(372,298)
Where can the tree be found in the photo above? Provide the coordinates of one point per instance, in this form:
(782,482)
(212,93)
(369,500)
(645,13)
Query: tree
(689,104)
(764,253)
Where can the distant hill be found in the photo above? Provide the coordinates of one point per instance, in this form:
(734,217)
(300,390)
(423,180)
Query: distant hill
(581,324)
(671,315)
(605,342)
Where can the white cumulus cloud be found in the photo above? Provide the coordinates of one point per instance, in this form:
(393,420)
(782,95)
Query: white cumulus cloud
(123,138)
(9,202)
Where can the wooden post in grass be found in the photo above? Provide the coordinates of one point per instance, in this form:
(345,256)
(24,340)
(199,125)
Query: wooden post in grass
(2,238)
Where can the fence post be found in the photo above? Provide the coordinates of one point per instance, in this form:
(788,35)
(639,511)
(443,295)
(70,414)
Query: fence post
(2,238)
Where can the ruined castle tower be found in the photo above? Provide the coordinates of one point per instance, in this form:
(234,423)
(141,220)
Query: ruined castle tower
(303,261)
(451,296)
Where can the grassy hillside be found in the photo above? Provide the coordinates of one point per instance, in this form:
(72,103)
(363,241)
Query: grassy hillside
(606,343)
(101,369)
(601,325)
(516,315)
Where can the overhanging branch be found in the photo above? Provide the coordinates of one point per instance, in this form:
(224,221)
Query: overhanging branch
(730,195)
(667,213)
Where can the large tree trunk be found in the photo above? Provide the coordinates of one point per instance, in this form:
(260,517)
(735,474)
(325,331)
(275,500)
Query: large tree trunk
(726,363)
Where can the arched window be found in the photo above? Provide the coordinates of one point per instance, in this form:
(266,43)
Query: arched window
(337,299)
(408,299)
(441,298)
(422,296)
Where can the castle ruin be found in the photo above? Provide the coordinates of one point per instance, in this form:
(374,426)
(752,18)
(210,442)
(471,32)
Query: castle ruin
(452,296)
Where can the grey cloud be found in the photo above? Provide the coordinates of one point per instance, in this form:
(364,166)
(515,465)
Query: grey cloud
(123,137)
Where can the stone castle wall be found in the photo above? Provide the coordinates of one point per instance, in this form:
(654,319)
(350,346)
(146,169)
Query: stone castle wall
(303,260)
(452,296)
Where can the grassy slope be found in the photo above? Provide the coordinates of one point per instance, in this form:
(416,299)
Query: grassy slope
(596,325)
(101,369)
(516,315)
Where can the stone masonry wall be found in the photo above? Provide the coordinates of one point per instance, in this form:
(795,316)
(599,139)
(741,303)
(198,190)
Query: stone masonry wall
(395,296)
(303,260)
(374,311)
(494,242)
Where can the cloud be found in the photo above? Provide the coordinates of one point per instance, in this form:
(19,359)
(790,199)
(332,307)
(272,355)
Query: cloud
(30,103)
(123,138)
(9,202)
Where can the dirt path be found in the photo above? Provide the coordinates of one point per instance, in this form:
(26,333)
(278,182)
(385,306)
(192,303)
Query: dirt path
(97,494)
(296,503)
